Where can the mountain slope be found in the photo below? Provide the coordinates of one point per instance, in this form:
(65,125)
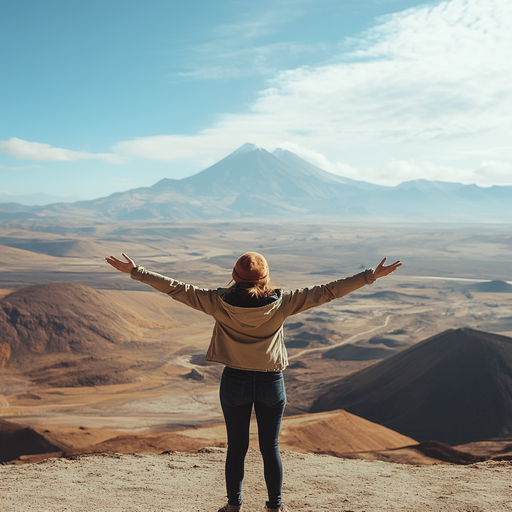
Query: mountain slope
(66,335)
(453,387)
(300,164)
(66,319)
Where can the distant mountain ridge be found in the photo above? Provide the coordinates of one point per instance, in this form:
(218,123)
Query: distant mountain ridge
(36,199)
(253,183)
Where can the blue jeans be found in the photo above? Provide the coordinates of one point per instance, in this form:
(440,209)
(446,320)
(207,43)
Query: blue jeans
(239,390)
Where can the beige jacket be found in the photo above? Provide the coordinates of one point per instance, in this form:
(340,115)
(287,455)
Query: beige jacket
(251,338)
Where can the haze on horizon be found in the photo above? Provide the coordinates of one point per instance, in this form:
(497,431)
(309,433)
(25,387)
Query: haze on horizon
(105,97)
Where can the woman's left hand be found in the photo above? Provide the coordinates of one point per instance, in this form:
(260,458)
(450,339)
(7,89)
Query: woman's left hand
(384,270)
(122,266)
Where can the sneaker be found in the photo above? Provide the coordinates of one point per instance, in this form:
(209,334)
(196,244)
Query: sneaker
(282,508)
(229,508)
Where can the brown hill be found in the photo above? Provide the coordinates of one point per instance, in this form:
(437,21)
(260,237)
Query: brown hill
(18,440)
(333,432)
(66,335)
(57,318)
(394,296)
(428,452)
(337,432)
(455,387)
(8,255)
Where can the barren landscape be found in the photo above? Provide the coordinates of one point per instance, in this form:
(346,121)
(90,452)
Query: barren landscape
(94,362)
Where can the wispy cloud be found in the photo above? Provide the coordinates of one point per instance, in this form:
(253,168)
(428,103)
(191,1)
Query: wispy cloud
(424,93)
(435,72)
(499,173)
(240,48)
(229,60)
(25,150)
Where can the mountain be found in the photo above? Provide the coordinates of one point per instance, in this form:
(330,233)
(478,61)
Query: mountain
(455,200)
(455,387)
(253,183)
(36,199)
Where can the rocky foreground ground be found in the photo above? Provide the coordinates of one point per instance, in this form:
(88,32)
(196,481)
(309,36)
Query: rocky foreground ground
(179,481)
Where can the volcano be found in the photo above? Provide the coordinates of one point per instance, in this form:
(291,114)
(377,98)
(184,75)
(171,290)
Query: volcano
(455,387)
(253,183)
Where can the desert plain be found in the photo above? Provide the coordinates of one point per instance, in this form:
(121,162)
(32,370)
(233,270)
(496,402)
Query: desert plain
(116,367)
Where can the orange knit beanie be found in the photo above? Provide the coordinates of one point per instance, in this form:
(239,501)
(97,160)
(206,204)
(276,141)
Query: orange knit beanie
(251,267)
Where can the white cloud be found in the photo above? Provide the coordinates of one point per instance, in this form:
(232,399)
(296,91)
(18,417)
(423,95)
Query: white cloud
(25,150)
(436,72)
(430,84)
(500,173)
(174,147)
(397,171)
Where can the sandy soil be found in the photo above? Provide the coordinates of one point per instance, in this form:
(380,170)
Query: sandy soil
(195,482)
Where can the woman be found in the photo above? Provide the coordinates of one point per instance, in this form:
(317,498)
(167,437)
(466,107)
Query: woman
(248,339)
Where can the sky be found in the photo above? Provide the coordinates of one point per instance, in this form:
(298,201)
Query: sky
(107,95)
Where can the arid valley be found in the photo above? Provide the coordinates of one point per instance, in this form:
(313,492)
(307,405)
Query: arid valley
(95,362)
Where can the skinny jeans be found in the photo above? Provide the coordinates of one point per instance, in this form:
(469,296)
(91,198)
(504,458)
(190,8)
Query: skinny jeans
(239,391)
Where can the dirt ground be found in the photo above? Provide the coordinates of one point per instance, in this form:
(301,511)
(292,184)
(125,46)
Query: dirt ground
(195,482)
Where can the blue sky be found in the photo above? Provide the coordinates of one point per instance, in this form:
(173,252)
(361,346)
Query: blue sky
(103,96)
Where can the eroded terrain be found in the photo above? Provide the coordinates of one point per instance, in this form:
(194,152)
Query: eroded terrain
(168,385)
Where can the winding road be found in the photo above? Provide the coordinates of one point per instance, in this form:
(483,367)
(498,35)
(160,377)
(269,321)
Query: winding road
(344,342)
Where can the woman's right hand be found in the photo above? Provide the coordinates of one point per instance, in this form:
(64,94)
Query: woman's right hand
(384,270)
(122,266)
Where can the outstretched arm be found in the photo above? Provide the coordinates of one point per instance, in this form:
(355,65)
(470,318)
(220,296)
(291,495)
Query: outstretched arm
(122,266)
(296,301)
(204,300)
(384,270)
